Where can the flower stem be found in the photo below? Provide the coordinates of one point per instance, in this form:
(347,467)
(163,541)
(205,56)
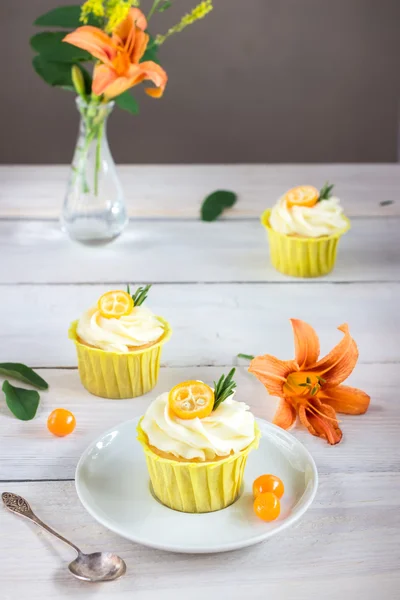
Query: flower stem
(98,159)
(246,356)
(153,9)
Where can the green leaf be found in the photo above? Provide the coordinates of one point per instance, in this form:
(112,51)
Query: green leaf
(151,52)
(326,191)
(140,295)
(23,373)
(223,388)
(164,6)
(22,403)
(50,45)
(59,73)
(246,356)
(214,205)
(64,16)
(127,102)
(53,73)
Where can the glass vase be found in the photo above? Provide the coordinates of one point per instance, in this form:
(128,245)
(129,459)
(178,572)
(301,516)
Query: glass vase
(94,208)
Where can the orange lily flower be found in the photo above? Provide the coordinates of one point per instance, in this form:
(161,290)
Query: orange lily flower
(310,388)
(119,55)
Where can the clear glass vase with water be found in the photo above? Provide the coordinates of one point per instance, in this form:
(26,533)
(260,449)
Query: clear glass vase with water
(94,208)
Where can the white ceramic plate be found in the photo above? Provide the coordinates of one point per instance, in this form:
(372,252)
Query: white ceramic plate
(113,485)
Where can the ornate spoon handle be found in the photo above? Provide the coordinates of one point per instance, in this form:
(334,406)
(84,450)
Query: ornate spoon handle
(20,506)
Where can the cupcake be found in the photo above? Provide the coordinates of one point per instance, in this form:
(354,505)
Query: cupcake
(119,342)
(196,441)
(304,228)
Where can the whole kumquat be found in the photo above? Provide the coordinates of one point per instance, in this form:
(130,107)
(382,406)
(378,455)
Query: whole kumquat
(267,506)
(61,422)
(268,483)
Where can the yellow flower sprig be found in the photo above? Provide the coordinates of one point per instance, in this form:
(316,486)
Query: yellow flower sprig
(92,7)
(116,12)
(199,12)
(112,11)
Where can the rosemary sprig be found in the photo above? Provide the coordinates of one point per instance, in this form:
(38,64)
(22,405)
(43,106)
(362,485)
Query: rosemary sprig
(140,295)
(326,191)
(223,388)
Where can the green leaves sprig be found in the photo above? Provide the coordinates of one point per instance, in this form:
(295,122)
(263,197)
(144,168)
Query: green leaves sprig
(22,403)
(54,58)
(140,295)
(223,388)
(326,191)
(215,204)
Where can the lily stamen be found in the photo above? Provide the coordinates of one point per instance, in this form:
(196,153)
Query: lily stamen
(312,408)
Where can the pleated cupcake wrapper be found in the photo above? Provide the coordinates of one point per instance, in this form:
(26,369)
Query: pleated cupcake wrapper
(302,257)
(196,487)
(119,375)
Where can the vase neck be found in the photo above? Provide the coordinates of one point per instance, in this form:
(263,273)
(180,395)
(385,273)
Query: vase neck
(94,113)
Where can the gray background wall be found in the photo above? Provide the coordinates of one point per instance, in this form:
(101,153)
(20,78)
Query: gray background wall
(256,81)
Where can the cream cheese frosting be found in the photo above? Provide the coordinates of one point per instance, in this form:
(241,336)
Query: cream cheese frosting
(227,430)
(138,328)
(324,218)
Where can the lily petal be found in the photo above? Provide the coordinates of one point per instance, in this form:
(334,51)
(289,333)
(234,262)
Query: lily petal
(123,83)
(272,372)
(345,399)
(95,41)
(336,366)
(306,344)
(327,428)
(156,74)
(154,92)
(141,41)
(103,77)
(135,18)
(285,415)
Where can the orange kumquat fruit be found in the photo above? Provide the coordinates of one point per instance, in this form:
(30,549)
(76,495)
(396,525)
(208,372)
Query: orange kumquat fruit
(303,195)
(115,304)
(61,422)
(268,483)
(267,506)
(191,399)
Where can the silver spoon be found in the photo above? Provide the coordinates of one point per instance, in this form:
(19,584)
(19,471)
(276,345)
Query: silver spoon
(99,566)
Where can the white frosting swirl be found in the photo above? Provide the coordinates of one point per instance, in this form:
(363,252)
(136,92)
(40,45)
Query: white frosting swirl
(228,429)
(324,218)
(138,328)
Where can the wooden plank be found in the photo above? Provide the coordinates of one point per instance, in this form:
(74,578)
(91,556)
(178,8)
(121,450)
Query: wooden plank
(346,544)
(30,452)
(178,190)
(185,251)
(211,323)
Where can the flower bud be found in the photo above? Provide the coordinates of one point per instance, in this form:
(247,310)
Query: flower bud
(78,81)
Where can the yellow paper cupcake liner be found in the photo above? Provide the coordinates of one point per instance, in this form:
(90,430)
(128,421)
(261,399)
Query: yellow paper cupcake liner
(302,257)
(196,487)
(119,375)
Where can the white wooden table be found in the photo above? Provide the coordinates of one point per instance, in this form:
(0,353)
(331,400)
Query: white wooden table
(214,283)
